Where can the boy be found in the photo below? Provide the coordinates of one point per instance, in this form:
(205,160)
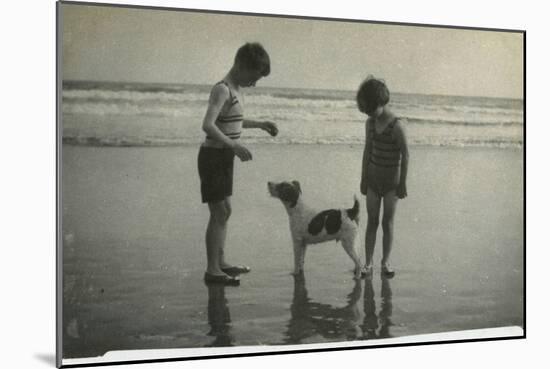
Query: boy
(223,124)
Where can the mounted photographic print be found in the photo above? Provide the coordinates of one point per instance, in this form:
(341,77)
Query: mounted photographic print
(239,184)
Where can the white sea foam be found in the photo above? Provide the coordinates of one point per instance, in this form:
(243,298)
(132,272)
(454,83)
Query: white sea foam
(132,95)
(139,114)
(128,109)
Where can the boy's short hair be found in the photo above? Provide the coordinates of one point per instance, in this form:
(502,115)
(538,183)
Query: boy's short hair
(252,55)
(372,93)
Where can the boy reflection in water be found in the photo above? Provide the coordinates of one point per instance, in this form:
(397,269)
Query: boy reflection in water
(311,319)
(218,316)
(377,326)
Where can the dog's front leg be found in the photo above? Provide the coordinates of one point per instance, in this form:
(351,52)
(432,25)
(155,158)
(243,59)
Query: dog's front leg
(299,255)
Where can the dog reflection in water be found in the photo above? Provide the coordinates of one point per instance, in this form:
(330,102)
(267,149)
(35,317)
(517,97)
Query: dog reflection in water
(218,316)
(311,320)
(377,326)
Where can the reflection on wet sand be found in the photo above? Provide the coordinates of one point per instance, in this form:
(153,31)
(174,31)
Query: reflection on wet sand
(312,319)
(219,318)
(377,326)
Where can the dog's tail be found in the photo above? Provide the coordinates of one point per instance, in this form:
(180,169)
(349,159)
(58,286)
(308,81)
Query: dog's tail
(353,213)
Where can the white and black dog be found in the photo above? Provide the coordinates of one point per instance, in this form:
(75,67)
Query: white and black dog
(308,226)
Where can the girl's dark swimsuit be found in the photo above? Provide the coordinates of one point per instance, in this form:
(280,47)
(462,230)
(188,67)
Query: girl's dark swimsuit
(384,163)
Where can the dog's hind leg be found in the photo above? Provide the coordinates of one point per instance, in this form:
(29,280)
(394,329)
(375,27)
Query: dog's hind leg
(349,245)
(299,256)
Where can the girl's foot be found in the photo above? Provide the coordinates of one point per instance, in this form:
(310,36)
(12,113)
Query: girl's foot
(387,271)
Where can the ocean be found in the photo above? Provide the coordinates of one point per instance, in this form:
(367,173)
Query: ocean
(154,114)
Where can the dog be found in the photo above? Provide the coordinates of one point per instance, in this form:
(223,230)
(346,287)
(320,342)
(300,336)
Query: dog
(309,226)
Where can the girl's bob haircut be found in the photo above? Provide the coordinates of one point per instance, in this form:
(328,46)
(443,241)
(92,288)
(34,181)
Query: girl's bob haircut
(252,56)
(372,93)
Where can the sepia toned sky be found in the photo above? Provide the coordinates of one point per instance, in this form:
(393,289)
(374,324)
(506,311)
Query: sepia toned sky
(144,45)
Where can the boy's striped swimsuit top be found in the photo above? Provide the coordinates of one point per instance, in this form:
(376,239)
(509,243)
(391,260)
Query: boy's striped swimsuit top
(385,150)
(230,122)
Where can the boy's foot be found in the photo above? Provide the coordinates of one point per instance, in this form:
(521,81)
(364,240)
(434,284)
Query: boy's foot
(236,269)
(221,279)
(387,271)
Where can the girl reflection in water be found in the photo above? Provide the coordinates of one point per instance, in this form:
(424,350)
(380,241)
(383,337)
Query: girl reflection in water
(377,326)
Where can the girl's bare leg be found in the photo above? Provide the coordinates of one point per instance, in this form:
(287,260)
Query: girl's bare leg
(373,211)
(390,204)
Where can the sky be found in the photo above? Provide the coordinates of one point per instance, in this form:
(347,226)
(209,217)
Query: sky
(162,46)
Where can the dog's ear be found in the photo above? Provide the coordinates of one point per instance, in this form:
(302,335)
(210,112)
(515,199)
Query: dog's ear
(297,185)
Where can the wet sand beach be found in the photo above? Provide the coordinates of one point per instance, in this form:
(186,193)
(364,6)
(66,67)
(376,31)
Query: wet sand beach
(134,254)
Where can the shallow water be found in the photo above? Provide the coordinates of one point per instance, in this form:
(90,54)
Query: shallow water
(134,258)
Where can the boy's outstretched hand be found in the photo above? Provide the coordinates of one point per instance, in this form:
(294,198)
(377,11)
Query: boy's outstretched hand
(270,128)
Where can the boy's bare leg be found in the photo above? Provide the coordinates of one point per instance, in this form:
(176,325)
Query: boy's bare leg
(390,204)
(227,205)
(373,211)
(215,236)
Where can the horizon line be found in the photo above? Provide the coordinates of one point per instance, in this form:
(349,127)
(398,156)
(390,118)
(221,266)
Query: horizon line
(281,87)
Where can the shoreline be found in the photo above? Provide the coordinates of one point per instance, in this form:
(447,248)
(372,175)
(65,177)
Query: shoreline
(93,142)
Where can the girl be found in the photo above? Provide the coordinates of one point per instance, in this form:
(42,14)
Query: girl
(384,168)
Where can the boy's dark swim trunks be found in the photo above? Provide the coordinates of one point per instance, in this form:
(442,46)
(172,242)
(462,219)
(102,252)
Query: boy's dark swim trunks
(216,173)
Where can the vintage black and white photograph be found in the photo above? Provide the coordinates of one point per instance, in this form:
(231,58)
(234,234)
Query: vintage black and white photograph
(237,183)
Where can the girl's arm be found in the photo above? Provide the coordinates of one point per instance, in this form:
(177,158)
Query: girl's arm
(269,127)
(403,146)
(366,157)
(218,97)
